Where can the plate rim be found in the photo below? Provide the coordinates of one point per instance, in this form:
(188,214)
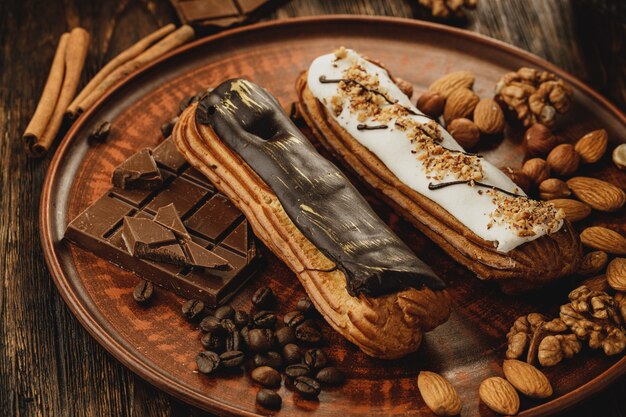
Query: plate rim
(161,379)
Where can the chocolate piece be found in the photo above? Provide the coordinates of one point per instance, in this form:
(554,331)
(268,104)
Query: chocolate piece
(138,171)
(212,219)
(203,258)
(217,14)
(318,198)
(100,228)
(140,235)
(168,216)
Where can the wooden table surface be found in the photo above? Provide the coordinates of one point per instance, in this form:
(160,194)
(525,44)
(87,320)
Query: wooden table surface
(49,365)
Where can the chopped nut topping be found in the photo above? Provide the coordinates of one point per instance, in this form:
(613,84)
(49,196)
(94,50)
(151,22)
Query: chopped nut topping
(523,214)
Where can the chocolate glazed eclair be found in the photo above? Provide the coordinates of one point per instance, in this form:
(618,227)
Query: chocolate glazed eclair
(364,280)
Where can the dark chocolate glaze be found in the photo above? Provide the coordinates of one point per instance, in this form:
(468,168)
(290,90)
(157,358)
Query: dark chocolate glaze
(318,198)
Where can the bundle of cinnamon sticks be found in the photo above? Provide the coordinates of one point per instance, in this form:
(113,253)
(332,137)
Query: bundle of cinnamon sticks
(59,99)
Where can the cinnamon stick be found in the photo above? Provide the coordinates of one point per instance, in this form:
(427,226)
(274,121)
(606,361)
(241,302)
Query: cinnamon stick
(74,60)
(171,41)
(75,107)
(49,96)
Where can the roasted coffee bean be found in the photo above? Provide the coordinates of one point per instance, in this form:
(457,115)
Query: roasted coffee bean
(192,309)
(285,335)
(315,358)
(296,370)
(100,132)
(225,312)
(213,340)
(269,399)
(293,318)
(228,325)
(168,127)
(264,319)
(311,323)
(307,387)
(245,335)
(264,298)
(234,341)
(271,359)
(308,334)
(261,340)
(241,319)
(305,305)
(330,376)
(143,292)
(207,361)
(292,353)
(211,323)
(266,376)
(232,358)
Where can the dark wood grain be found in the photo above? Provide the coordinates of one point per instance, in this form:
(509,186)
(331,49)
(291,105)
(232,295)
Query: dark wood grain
(48,364)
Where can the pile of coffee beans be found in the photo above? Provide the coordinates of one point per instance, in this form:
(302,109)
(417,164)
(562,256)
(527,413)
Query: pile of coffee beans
(272,349)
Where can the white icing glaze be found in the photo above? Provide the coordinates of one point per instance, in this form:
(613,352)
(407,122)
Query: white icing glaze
(393,148)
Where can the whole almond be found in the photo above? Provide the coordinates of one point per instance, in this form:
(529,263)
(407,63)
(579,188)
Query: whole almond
(465,132)
(593,263)
(438,394)
(553,188)
(499,395)
(460,103)
(597,283)
(592,146)
(616,274)
(619,156)
(452,82)
(488,117)
(601,238)
(537,170)
(573,210)
(539,140)
(600,195)
(527,379)
(404,86)
(431,104)
(563,160)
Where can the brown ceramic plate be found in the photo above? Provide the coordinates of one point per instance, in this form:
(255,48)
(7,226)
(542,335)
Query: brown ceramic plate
(157,344)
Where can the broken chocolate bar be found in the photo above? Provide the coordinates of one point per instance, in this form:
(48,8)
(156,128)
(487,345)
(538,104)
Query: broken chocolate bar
(217,14)
(221,255)
(138,171)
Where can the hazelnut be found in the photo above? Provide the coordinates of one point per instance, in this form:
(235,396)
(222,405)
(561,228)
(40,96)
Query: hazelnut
(563,160)
(619,156)
(537,170)
(465,132)
(518,177)
(431,104)
(539,140)
(553,188)
(461,103)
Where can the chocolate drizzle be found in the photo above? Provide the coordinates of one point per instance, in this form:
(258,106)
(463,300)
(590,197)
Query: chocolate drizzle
(325,80)
(441,185)
(362,126)
(318,198)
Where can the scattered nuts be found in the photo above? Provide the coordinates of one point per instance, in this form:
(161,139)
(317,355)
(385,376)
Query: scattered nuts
(563,160)
(452,82)
(438,394)
(553,349)
(597,283)
(616,274)
(520,178)
(619,156)
(553,188)
(460,103)
(601,238)
(499,395)
(448,9)
(539,140)
(488,117)
(593,263)
(600,195)
(431,104)
(465,132)
(527,379)
(537,170)
(592,146)
(573,210)
(404,86)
